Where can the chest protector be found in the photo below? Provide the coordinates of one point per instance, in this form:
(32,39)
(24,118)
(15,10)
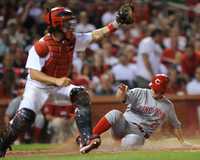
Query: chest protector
(60,56)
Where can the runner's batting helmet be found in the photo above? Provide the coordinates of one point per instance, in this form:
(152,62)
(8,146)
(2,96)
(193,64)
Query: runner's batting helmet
(56,17)
(159,83)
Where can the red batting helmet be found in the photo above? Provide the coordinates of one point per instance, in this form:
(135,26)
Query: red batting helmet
(56,17)
(159,83)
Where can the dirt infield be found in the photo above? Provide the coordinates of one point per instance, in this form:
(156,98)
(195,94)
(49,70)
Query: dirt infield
(109,145)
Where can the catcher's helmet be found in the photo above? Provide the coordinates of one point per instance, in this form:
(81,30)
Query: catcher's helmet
(56,17)
(159,83)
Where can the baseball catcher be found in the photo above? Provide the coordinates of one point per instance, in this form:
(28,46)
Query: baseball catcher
(49,63)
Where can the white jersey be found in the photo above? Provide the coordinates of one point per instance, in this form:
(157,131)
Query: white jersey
(193,87)
(153,50)
(148,112)
(124,72)
(36,62)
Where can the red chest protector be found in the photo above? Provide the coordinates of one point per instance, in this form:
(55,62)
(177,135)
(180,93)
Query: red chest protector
(60,57)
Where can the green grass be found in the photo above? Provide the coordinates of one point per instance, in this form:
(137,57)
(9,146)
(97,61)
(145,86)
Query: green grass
(121,156)
(130,155)
(29,147)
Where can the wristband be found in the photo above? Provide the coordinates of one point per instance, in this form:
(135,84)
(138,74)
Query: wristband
(112,27)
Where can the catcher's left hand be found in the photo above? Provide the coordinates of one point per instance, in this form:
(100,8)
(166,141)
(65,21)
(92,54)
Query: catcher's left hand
(125,14)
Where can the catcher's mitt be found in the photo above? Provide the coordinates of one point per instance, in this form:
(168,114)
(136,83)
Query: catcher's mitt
(125,14)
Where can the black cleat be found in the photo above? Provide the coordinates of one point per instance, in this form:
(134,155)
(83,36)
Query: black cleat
(3,148)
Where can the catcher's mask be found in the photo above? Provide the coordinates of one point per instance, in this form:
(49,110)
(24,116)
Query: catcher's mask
(59,19)
(159,83)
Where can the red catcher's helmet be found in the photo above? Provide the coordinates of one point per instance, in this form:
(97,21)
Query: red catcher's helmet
(159,83)
(56,16)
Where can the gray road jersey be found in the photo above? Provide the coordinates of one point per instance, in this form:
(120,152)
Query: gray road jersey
(148,112)
(13,106)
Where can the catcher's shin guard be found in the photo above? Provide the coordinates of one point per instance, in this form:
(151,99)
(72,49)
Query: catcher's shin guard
(80,98)
(22,120)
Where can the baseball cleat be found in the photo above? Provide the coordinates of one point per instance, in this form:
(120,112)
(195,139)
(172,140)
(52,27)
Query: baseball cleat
(3,148)
(93,144)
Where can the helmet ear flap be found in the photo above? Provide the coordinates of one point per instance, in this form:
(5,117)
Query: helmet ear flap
(48,19)
(51,28)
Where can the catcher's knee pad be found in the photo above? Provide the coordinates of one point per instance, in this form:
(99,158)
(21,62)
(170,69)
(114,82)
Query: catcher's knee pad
(80,98)
(23,119)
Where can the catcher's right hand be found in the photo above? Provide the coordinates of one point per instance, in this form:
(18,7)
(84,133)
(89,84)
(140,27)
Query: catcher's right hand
(64,81)
(125,14)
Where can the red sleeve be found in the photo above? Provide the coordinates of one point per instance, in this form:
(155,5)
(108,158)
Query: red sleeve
(41,48)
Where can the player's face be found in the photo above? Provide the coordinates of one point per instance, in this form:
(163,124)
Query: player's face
(20,91)
(159,38)
(58,35)
(68,26)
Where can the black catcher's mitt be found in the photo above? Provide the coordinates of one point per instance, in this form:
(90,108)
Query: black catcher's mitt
(125,14)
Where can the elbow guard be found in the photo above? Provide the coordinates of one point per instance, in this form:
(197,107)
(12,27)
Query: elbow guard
(41,48)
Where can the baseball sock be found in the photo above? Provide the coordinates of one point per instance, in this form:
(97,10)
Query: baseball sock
(102,126)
